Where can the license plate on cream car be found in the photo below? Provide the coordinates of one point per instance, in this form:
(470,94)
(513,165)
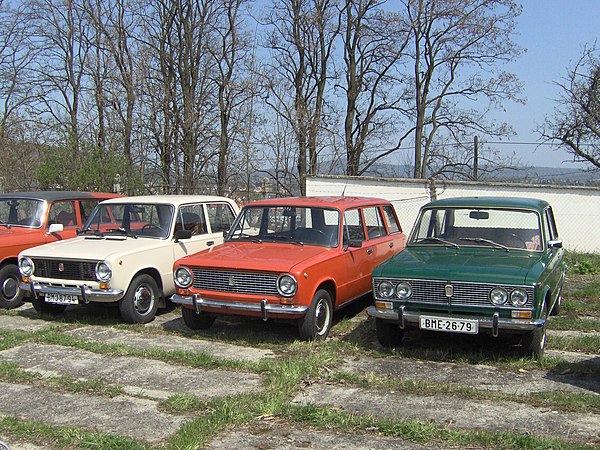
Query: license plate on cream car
(449,325)
(62,299)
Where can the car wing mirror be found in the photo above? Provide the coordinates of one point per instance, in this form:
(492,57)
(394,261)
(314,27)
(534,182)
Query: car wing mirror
(353,243)
(55,228)
(182,234)
(555,244)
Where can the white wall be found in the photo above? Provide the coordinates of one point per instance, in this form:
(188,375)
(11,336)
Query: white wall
(576,209)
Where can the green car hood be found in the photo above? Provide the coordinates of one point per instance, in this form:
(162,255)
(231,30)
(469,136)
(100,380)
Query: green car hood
(484,265)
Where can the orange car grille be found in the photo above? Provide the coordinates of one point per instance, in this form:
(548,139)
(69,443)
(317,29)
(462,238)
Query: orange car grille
(253,283)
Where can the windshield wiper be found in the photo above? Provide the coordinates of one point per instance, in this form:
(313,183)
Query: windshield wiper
(487,241)
(4,224)
(93,230)
(123,231)
(287,238)
(437,239)
(245,236)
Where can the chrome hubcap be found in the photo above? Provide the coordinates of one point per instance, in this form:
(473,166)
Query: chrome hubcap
(143,299)
(322,317)
(10,287)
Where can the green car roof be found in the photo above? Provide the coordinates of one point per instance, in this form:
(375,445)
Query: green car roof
(489,202)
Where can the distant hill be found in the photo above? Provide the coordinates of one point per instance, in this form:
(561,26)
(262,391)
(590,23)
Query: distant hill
(530,175)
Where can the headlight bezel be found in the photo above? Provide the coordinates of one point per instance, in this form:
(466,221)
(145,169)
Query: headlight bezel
(30,266)
(105,275)
(292,286)
(189,277)
(499,293)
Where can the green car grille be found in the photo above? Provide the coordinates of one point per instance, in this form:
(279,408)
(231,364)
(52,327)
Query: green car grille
(463,293)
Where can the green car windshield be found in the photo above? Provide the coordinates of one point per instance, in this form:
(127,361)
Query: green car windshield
(505,229)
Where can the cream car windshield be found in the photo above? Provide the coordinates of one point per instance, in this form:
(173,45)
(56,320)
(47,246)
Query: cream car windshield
(292,224)
(130,220)
(507,229)
(21,212)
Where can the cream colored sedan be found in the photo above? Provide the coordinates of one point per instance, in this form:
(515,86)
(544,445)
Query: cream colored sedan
(125,253)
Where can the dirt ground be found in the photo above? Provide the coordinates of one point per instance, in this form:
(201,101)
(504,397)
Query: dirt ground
(146,381)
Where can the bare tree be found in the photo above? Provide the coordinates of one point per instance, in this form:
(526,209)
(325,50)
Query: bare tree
(302,40)
(59,28)
(16,56)
(235,89)
(575,124)
(374,43)
(457,52)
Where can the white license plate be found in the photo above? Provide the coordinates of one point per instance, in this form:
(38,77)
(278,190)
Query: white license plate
(449,325)
(62,299)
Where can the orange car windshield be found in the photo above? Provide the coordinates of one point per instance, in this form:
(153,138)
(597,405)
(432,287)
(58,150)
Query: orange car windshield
(296,225)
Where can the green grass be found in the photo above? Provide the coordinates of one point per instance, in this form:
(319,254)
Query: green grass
(300,364)
(582,263)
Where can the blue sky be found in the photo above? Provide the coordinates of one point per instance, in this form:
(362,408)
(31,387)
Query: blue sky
(554,32)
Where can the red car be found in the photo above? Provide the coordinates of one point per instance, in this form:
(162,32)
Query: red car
(294,258)
(25,221)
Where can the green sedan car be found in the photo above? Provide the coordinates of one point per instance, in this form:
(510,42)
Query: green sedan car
(473,265)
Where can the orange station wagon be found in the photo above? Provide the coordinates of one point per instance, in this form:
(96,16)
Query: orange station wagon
(28,219)
(290,258)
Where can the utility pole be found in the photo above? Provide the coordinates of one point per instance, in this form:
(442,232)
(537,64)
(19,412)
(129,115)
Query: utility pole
(475,157)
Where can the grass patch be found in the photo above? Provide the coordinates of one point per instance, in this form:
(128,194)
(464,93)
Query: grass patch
(582,263)
(64,437)
(587,344)
(421,432)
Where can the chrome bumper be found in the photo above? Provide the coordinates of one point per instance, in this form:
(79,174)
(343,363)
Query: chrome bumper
(86,293)
(263,308)
(495,323)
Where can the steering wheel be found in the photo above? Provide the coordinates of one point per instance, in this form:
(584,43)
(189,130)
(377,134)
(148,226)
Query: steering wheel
(508,236)
(150,226)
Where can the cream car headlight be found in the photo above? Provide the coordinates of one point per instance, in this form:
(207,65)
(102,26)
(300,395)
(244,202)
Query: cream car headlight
(286,285)
(26,266)
(498,296)
(183,277)
(403,290)
(386,289)
(518,297)
(103,272)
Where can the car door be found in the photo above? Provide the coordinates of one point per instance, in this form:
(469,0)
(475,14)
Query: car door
(192,217)
(554,268)
(64,213)
(383,235)
(355,278)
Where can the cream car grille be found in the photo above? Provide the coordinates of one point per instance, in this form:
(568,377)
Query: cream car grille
(253,283)
(463,293)
(65,269)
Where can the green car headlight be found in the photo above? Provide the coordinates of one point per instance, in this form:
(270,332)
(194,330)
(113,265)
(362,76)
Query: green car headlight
(386,289)
(518,297)
(403,290)
(498,296)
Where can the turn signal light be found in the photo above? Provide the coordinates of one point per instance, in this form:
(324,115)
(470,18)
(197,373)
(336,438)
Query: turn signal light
(287,300)
(521,314)
(26,279)
(384,305)
(181,291)
(104,286)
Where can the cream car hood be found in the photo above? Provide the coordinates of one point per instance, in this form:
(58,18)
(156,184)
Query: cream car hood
(92,248)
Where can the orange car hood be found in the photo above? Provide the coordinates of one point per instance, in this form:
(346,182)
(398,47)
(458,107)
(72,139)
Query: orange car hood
(266,256)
